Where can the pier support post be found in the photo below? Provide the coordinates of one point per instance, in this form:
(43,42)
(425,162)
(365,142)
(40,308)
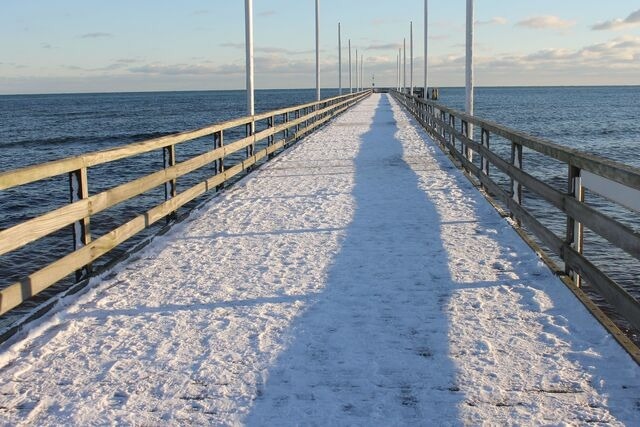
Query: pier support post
(452,136)
(575,229)
(484,140)
(516,160)
(170,187)
(78,190)
(169,160)
(218,142)
(270,138)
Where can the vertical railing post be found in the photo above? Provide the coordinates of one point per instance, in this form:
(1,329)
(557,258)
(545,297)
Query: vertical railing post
(270,138)
(250,128)
(452,135)
(218,142)
(285,120)
(79,190)
(169,160)
(516,160)
(443,120)
(575,230)
(170,187)
(464,129)
(484,140)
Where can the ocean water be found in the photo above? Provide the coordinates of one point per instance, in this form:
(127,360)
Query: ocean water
(39,128)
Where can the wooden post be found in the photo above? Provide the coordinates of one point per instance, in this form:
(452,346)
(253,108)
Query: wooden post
(270,138)
(464,127)
(575,230)
(452,142)
(516,160)
(218,142)
(484,139)
(249,130)
(168,160)
(170,187)
(78,190)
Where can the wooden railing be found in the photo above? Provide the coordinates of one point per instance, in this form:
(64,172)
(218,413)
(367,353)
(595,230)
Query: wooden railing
(294,122)
(616,182)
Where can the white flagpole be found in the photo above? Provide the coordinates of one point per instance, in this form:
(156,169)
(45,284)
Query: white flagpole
(469,65)
(361,72)
(248,10)
(426,43)
(339,61)
(350,80)
(356,70)
(404,65)
(318,50)
(399,67)
(411,55)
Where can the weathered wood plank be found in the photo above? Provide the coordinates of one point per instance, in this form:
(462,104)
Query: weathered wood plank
(18,292)
(616,171)
(33,229)
(34,173)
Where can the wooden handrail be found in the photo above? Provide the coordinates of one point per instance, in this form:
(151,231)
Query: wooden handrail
(616,171)
(433,117)
(28,174)
(80,210)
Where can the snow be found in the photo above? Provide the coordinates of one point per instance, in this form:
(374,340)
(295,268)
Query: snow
(358,279)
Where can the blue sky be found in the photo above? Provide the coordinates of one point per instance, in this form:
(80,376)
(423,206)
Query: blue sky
(139,45)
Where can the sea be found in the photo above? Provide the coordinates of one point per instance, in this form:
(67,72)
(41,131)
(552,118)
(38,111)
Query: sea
(37,128)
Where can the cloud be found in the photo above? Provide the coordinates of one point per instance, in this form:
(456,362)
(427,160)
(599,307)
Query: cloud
(497,20)
(267,13)
(632,20)
(544,22)
(173,69)
(388,46)
(269,49)
(232,45)
(201,12)
(46,45)
(95,35)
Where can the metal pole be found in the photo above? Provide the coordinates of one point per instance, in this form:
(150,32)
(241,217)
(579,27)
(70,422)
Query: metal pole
(404,66)
(398,71)
(411,55)
(318,50)
(399,67)
(469,64)
(426,44)
(339,61)
(248,10)
(361,72)
(350,81)
(356,70)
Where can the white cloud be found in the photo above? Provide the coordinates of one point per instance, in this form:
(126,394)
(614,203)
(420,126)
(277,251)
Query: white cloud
(496,20)
(388,46)
(544,22)
(632,20)
(95,35)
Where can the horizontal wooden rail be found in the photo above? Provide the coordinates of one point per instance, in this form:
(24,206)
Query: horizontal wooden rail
(311,115)
(619,172)
(441,122)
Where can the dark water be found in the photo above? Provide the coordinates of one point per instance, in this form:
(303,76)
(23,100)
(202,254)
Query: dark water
(38,128)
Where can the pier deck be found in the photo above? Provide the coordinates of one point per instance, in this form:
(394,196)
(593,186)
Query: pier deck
(358,279)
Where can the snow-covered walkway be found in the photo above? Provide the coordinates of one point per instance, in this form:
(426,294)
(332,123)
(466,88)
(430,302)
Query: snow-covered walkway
(358,279)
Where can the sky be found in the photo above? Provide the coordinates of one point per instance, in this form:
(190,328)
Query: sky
(58,46)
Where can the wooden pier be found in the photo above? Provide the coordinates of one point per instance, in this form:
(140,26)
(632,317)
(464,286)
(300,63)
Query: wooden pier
(356,278)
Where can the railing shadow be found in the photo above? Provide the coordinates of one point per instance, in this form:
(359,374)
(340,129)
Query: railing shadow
(373,347)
